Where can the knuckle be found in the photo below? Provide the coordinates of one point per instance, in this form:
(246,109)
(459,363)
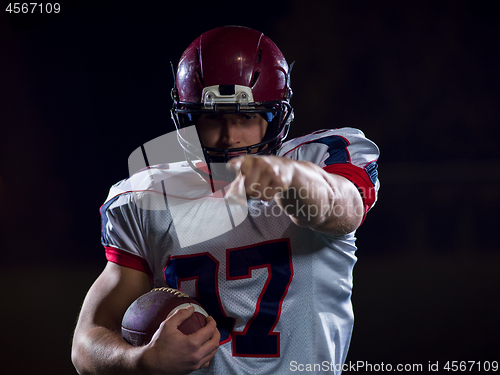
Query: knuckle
(195,358)
(214,347)
(270,169)
(192,346)
(217,335)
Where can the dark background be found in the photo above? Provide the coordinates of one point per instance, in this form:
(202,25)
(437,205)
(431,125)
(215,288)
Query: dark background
(79,91)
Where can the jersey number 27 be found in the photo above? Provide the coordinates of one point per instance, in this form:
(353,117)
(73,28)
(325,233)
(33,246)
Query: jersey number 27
(258,338)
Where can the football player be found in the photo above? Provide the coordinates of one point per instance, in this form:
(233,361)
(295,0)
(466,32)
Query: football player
(260,231)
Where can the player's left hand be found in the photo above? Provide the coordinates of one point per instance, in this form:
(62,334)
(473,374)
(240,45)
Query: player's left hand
(261,177)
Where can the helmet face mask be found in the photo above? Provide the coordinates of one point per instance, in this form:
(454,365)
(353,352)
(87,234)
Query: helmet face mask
(231,70)
(277,115)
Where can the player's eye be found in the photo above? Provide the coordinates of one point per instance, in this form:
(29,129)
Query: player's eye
(248,116)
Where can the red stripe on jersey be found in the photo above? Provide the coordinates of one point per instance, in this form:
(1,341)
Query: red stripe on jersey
(122,258)
(358,177)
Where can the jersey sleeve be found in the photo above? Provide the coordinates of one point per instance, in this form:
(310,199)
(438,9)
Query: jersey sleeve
(345,152)
(122,235)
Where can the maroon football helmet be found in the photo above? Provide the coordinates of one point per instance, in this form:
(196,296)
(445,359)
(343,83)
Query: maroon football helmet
(232,69)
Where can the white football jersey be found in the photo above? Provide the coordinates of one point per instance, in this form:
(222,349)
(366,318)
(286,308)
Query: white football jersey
(281,294)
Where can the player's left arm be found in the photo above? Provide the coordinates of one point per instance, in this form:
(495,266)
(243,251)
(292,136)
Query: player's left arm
(310,196)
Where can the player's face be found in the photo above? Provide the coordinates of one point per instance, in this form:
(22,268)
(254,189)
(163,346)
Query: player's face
(231,130)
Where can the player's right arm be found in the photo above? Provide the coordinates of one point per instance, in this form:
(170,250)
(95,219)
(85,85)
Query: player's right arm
(98,347)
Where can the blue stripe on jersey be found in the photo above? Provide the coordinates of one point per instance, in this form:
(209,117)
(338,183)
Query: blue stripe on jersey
(371,170)
(337,148)
(170,273)
(104,219)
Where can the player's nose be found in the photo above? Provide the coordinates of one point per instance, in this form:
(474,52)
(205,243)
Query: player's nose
(230,131)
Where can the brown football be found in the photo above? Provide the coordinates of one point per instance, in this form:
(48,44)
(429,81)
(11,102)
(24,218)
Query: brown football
(146,313)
